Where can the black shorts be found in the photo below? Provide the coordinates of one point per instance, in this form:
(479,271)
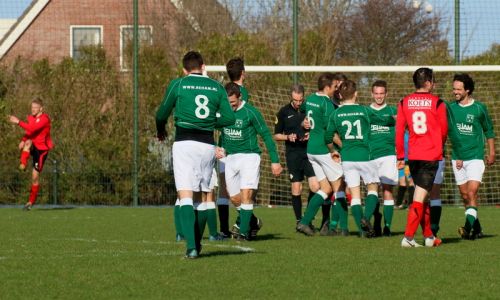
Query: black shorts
(298,165)
(423,172)
(39,157)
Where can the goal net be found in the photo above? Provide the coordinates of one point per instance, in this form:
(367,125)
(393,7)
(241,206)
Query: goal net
(269,88)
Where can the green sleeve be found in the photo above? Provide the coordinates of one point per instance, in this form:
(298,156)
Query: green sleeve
(226,114)
(166,106)
(260,126)
(486,123)
(327,111)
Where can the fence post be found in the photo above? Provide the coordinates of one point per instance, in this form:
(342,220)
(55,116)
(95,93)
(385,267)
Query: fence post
(55,174)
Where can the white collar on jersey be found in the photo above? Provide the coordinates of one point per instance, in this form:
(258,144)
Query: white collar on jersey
(378,108)
(468,104)
(350,103)
(241,105)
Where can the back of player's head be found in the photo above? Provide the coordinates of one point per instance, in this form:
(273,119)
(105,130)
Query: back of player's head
(347,89)
(380,83)
(421,76)
(339,77)
(233,89)
(466,80)
(324,80)
(298,89)
(235,67)
(192,61)
(37,100)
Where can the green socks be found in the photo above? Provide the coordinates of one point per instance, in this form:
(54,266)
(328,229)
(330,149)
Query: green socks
(177,219)
(313,207)
(246,213)
(388,212)
(371,201)
(470,217)
(188,222)
(357,212)
(212,219)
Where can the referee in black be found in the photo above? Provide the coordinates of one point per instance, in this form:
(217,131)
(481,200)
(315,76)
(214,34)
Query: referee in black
(288,128)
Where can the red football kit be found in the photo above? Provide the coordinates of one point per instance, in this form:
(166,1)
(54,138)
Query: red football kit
(37,129)
(425,116)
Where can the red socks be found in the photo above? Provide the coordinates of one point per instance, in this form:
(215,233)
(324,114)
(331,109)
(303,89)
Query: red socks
(415,214)
(425,221)
(34,193)
(24,157)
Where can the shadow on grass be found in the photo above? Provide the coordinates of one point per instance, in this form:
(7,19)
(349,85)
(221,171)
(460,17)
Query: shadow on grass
(53,208)
(224,253)
(268,236)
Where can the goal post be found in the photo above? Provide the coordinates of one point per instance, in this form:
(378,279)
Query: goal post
(269,88)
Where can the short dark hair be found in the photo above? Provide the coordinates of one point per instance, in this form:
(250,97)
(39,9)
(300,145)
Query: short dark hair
(422,75)
(339,77)
(192,61)
(233,89)
(347,89)
(380,83)
(297,88)
(235,67)
(466,80)
(324,80)
(37,100)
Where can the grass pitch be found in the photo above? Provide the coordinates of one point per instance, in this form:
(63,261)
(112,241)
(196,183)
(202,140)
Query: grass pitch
(116,253)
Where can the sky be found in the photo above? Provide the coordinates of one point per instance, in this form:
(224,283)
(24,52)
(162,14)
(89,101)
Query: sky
(480,25)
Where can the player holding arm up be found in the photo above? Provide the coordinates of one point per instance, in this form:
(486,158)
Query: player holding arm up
(470,124)
(35,142)
(243,156)
(200,105)
(425,116)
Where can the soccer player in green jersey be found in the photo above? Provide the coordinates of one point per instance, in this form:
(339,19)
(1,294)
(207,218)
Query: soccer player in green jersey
(321,153)
(383,150)
(470,124)
(200,105)
(242,152)
(235,68)
(352,123)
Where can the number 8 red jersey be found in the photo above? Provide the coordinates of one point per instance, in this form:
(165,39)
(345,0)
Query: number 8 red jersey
(425,116)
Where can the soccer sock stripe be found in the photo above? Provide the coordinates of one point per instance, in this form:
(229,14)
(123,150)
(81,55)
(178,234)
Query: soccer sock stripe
(188,222)
(313,207)
(470,217)
(297,206)
(436,211)
(388,212)
(415,213)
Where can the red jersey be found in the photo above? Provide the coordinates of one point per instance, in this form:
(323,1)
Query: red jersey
(37,129)
(425,116)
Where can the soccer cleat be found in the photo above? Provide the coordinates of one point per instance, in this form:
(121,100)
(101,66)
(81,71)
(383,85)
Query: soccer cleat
(326,231)
(243,238)
(387,231)
(305,229)
(464,234)
(218,237)
(191,254)
(22,167)
(367,227)
(179,238)
(432,242)
(406,243)
(235,230)
(255,228)
(28,206)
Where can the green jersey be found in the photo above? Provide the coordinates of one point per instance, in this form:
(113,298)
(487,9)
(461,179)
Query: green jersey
(244,94)
(383,130)
(200,104)
(242,136)
(469,126)
(318,108)
(352,123)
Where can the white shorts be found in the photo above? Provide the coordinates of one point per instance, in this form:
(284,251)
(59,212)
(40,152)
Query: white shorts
(214,180)
(471,170)
(325,167)
(353,170)
(242,172)
(440,173)
(387,169)
(193,165)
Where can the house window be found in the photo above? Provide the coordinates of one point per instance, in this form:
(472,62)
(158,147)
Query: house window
(82,36)
(126,43)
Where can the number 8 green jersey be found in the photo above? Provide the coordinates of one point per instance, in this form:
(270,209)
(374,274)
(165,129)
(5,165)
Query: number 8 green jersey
(352,122)
(200,103)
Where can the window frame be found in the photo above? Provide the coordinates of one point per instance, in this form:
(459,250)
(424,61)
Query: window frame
(72,27)
(122,29)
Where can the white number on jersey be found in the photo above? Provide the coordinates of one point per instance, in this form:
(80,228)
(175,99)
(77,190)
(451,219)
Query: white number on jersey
(419,119)
(310,118)
(350,125)
(202,111)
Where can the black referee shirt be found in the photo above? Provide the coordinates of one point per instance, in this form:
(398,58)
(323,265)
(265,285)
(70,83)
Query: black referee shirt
(288,121)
